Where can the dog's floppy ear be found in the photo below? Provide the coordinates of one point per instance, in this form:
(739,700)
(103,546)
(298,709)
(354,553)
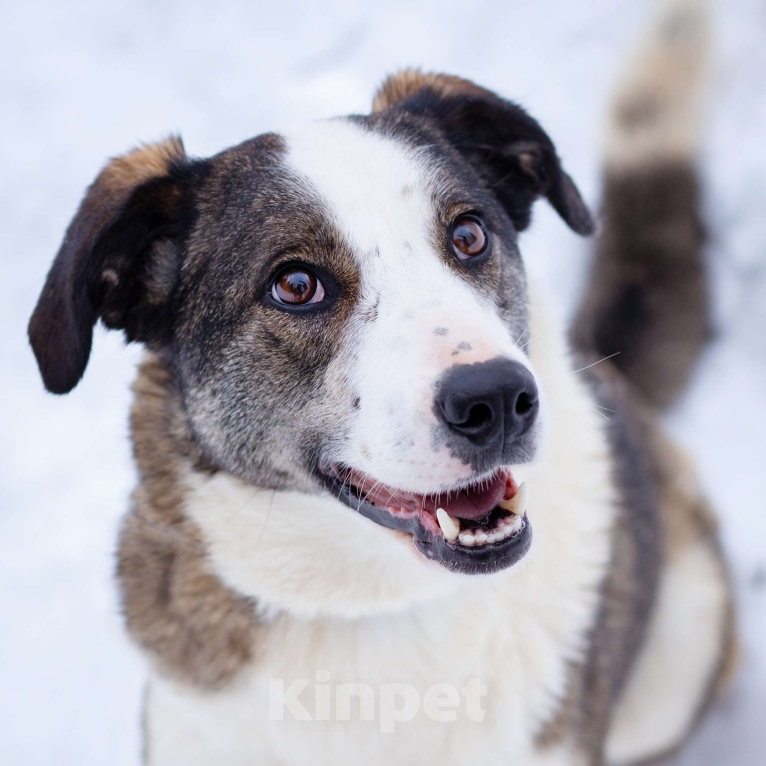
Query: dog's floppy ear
(504,144)
(113,263)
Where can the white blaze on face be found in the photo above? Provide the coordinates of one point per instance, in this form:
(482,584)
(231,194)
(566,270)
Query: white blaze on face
(416,317)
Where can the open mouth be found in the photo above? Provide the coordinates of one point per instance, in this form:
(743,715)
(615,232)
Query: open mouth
(474,528)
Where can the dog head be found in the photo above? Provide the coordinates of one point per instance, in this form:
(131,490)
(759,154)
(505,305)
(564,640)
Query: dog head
(344,307)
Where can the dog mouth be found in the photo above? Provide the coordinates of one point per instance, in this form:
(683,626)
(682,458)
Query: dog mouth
(475,528)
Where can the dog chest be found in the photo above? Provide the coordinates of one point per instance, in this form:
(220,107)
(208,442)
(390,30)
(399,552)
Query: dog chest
(452,683)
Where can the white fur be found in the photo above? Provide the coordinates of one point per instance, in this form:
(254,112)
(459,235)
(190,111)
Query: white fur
(380,194)
(673,669)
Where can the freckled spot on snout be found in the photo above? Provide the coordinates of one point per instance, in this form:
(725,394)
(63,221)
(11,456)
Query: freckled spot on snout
(440,331)
(406,191)
(357,403)
(462,346)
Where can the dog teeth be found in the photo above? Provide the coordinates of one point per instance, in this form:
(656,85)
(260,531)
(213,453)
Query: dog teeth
(504,528)
(450,527)
(517,505)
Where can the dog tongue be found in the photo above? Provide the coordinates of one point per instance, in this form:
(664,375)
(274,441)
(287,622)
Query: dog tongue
(473,503)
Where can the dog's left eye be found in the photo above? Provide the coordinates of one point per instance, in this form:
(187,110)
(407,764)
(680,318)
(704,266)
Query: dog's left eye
(297,286)
(469,237)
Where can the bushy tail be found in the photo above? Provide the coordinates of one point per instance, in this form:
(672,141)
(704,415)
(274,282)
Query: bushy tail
(647,298)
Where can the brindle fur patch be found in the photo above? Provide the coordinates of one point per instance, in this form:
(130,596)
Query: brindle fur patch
(195,628)
(238,353)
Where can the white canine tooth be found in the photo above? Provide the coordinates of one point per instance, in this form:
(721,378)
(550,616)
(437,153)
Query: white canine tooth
(517,505)
(450,526)
(466,538)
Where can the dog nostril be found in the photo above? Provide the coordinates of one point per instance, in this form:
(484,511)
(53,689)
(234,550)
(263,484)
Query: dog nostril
(478,415)
(489,404)
(524,403)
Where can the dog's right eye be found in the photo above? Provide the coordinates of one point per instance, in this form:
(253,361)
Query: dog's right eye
(297,286)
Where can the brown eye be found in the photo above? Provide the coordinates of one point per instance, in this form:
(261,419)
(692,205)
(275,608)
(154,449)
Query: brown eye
(468,237)
(297,286)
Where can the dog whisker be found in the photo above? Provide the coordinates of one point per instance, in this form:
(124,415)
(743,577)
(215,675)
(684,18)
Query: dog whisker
(587,367)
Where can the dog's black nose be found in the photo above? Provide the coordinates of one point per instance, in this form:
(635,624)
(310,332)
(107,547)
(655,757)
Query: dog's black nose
(488,406)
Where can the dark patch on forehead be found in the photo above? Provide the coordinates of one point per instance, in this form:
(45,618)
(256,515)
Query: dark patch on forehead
(241,356)
(254,216)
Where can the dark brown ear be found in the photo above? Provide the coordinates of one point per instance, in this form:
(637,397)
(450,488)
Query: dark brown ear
(505,145)
(130,215)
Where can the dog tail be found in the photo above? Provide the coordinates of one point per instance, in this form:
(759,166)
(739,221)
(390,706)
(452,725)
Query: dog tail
(647,300)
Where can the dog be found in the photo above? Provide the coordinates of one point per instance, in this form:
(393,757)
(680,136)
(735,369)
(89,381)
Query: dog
(387,510)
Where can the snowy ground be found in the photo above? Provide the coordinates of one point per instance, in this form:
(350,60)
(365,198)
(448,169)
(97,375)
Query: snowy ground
(83,80)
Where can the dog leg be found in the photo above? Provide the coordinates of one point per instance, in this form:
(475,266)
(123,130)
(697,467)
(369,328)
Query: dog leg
(688,655)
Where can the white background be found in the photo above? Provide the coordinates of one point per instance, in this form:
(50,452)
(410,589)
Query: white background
(83,80)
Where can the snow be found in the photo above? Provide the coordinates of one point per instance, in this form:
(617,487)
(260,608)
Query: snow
(84,80)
